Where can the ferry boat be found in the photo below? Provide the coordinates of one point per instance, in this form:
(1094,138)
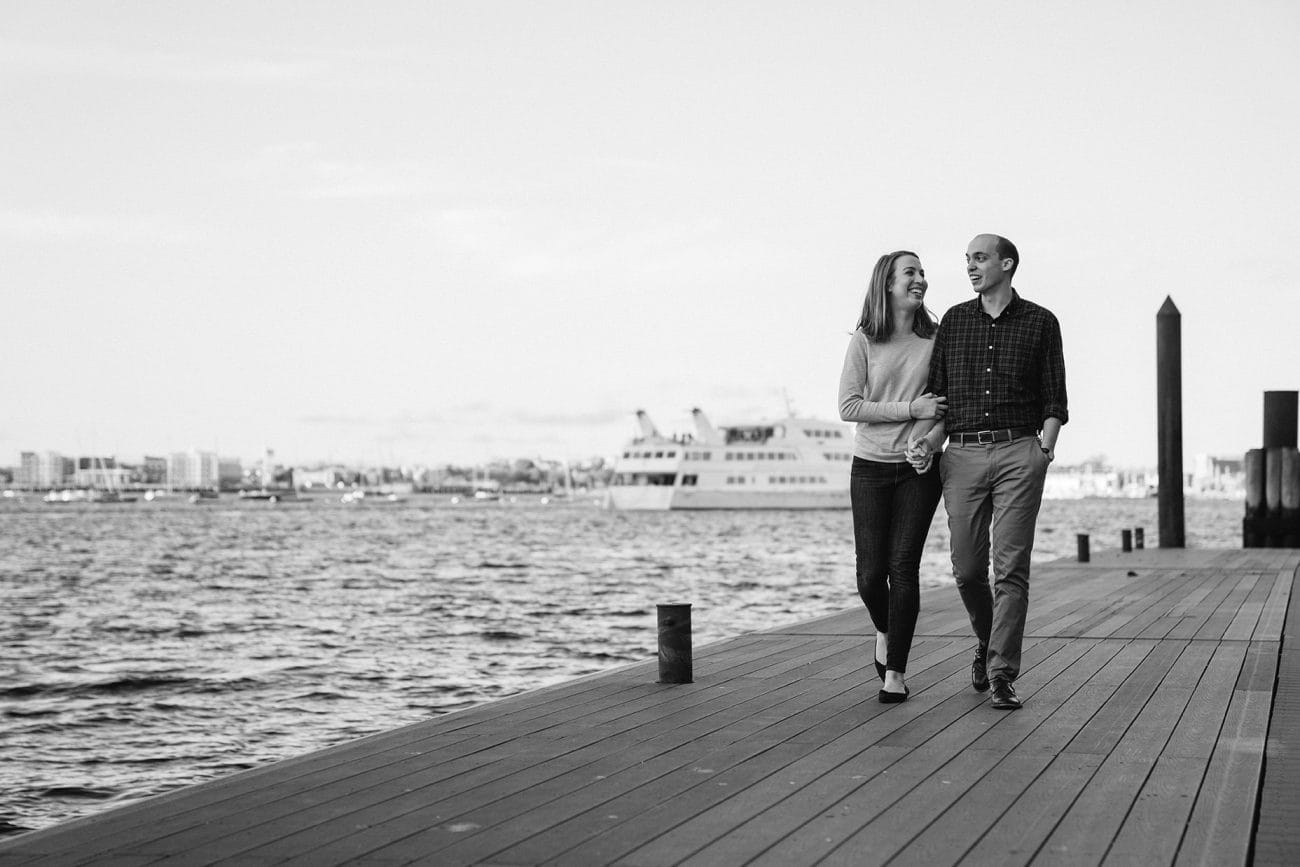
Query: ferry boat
(792,463)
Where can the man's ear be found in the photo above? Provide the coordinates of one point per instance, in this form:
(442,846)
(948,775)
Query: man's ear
(1008,264)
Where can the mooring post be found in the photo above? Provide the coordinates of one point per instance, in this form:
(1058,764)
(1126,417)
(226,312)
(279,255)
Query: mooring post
(1252,535)
(1280,419)
(1126,540)
(1280,409)
(1084,554)
(1139,538)
(1290,498)
(675,643)
(1169,421)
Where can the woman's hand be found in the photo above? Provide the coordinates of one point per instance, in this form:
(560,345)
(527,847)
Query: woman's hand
(920,454)
(928,406)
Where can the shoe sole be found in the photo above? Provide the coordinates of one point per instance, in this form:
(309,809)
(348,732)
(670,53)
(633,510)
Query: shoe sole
(1005,706)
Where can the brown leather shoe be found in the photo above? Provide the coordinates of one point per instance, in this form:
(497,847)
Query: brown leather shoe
(1004,695)
(979,674)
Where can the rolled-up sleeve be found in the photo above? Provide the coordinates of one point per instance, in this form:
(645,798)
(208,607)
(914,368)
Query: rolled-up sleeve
(937,384)
(1055,401)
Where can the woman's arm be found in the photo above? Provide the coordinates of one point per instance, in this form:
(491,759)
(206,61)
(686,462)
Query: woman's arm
(853,385)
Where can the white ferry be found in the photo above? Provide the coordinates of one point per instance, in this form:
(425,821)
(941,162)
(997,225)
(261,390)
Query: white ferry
(793,463)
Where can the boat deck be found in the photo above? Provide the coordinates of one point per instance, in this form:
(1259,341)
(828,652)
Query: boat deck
(1155,683)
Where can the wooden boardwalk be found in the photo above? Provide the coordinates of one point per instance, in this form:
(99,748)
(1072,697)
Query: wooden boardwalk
(1149,682)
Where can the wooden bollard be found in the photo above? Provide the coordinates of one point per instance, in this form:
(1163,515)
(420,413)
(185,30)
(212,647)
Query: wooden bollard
(1290,498)
(1255,461)
(1084,554)
(1273,479)
(675,643)
(1126,540)
(1139,538)
(1252,533)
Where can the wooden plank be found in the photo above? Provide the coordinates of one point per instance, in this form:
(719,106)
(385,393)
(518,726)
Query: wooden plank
(1219,831)
(1243,625)
(1104,806)
(985,777)
(1270,623)
(406,802)
(1016,836)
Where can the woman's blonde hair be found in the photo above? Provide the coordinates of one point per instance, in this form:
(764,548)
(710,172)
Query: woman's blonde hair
(875,321)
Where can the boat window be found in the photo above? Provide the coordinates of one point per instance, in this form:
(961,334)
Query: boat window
(689,480)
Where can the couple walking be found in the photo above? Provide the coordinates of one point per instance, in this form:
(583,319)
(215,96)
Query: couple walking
(990,377)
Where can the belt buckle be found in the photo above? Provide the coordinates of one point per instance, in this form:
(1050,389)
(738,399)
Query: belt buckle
(979,437)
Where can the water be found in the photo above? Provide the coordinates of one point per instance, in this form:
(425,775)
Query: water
(155,645)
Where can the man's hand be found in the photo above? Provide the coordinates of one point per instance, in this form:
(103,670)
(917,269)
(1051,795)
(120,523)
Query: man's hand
(928,406)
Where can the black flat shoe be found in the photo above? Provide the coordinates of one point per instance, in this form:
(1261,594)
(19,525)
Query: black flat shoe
(894,697)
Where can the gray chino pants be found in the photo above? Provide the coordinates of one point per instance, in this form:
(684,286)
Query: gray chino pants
(998,488)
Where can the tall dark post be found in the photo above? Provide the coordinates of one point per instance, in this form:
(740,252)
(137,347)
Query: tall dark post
(1169,420)
(1280,419)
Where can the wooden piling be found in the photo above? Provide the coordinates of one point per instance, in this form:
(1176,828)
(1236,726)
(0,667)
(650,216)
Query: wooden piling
(1169,421)
(1273,480)
(1252,535)
(1290,497)
(1084,554)
(1280,413)
(675,643)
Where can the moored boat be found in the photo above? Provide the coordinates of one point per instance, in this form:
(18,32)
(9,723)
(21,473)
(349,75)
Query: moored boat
(791,463)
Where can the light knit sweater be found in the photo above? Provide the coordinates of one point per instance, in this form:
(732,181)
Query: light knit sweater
(879,383)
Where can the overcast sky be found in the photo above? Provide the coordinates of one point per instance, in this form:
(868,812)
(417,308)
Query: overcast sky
(447,231)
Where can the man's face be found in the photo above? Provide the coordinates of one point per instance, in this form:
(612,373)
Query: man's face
(986,271)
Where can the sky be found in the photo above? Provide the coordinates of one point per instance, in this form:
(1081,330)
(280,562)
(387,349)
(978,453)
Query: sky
(444,232)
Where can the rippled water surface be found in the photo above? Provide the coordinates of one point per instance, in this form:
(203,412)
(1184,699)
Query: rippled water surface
(153,645)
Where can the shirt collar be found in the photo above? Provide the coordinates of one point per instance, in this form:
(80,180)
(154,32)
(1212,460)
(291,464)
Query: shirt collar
(975,308)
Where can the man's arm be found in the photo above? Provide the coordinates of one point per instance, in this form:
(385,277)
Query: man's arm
(1051,430)
(1055,402)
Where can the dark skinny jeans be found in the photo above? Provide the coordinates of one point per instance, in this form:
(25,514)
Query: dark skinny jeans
(892,510)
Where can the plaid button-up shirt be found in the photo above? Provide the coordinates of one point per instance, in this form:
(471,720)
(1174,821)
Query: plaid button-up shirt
(999,373)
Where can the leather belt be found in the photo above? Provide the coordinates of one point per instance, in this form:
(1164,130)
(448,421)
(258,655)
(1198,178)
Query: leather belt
(988,437)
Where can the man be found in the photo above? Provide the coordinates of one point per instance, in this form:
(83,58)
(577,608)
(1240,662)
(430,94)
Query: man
(998,359)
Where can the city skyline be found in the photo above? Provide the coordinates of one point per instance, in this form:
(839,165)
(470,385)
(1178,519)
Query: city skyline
(453,232)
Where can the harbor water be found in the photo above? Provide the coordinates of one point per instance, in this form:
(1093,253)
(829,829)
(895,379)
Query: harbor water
(149,646)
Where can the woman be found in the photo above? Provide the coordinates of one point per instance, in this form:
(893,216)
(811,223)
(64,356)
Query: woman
(881,388)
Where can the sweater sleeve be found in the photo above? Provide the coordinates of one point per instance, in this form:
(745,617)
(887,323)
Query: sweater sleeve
(853,387)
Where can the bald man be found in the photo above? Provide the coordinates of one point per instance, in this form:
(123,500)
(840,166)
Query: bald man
(999,361)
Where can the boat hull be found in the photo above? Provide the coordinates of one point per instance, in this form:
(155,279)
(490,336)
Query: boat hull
(665,499)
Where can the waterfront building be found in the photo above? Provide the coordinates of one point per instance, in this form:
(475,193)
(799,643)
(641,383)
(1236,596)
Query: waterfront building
(153,471)
(44,470)
(230,473)
(102,473)
(193,470)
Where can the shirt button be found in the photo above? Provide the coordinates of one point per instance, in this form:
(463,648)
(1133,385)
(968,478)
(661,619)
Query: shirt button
(990,346)
(986,392)
(988,370)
